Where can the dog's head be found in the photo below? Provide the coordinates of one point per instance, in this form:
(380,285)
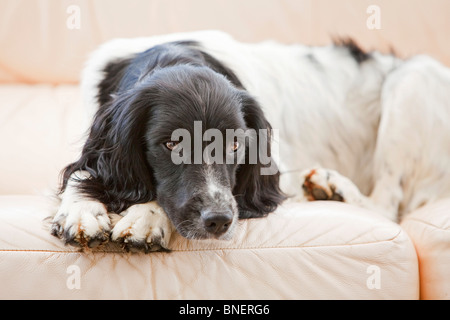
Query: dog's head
(181,136)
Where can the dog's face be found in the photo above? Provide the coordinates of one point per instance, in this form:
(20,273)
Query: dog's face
(135,145)
(197,194)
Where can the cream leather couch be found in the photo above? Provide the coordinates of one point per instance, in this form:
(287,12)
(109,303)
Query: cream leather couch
(321,250)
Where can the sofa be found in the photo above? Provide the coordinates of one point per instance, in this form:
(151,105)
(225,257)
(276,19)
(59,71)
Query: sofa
(314,250)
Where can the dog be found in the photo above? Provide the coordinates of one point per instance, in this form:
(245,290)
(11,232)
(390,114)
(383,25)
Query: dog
(336,123)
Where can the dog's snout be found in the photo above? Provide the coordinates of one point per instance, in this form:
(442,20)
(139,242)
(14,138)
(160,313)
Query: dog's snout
(217,223)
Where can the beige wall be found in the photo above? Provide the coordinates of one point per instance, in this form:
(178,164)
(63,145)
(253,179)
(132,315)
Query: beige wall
(38,46)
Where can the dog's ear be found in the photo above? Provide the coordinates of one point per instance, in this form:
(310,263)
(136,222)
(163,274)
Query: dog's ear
(115,154)
(257,189)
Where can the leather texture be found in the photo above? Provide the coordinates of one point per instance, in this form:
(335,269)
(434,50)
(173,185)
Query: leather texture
(429,229)
(60,34)
(303,251)
(40,132)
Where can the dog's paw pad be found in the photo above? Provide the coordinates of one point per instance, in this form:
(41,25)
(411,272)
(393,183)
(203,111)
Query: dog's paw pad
(144,228)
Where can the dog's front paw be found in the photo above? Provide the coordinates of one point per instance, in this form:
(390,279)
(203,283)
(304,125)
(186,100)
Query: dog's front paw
(143,228)
(325,184)
(81,222)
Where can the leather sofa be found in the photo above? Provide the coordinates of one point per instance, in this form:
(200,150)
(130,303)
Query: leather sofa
(317,250)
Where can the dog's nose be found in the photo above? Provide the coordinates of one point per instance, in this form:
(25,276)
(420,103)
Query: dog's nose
(217,223)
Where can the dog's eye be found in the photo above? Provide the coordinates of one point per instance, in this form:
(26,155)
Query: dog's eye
(171,145)
(235,146)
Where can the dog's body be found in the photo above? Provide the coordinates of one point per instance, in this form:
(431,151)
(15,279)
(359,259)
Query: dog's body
(365,128)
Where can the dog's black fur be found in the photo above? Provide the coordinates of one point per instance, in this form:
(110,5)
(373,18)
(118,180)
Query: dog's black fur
(142,100)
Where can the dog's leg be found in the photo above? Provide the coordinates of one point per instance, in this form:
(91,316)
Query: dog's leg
(326,184)
(142,227)
(80,221)
(412,158)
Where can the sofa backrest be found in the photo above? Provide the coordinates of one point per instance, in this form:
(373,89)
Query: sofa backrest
(48,41)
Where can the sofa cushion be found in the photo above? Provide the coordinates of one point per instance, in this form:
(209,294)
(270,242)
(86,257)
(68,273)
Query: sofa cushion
(320,250)
(429,229)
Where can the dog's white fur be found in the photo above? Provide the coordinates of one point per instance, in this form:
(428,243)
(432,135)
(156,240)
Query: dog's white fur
(377,132)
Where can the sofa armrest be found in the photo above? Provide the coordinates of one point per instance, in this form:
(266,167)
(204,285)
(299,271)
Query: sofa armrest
(429,229)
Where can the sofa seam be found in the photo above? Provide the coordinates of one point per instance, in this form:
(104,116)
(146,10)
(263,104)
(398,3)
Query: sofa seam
(217,249)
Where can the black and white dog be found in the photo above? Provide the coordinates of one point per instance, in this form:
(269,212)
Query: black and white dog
(336,123)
